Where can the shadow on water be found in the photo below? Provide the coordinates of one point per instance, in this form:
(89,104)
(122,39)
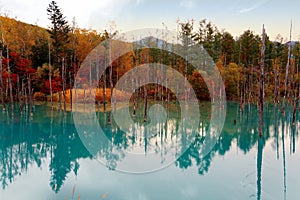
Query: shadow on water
(50,134)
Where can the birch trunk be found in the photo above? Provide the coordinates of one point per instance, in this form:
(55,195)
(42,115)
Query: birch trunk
(275,82)
(10,85)
(22,96)
(30,95)
(50,73)
(110,72)
(146,103)
(250,85)
(287,70)
(64,84)
(1,84)
(18,88)
(261,89)
(19,94)
(298,87)
(71,90)
(98,86)
(104,92)
(292,92)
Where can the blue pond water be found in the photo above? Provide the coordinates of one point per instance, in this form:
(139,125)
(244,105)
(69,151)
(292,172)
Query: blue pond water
(45,158)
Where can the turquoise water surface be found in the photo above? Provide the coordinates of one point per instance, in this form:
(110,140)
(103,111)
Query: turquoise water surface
(44,158)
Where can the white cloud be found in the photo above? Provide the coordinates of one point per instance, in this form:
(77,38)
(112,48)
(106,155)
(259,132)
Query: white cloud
(95,13)
(30,11)
(188,4)
(253,6)
(85,12)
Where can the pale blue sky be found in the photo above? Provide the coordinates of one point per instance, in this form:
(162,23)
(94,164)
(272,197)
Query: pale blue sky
(234,16)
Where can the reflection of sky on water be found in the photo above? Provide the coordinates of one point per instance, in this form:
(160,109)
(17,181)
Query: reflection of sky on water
(35,156)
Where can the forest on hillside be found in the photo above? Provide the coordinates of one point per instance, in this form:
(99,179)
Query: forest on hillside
(41,64)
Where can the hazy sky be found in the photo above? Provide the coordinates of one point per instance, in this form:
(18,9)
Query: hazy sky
(234,16)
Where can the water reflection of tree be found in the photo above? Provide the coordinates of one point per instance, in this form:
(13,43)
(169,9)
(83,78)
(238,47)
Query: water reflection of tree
(18,148)
(247,137)
(60,164)
(244,133)
(26,142)
(66,149)
(259,160)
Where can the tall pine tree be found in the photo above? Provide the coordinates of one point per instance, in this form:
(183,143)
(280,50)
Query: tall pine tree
(59,31)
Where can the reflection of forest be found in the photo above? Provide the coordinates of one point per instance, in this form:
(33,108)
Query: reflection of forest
(25,143)
(245,134)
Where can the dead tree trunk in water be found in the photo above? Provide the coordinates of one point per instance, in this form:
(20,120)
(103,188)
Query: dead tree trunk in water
(146,103)
(64,84)
(104,91)
(59,99)
(279,83)
(71,90)
(25,93)
(97,92)
(111,74)
(243,90)
(21,100)
(133,84)
(276,82)
(287,70)
(18,90)
(10,85)
(294,111)
(1,83)
(133,98)
(261,88)
(292,92)
(50,85)
(250,93)
(30,95)
(50,73)
(298,87)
